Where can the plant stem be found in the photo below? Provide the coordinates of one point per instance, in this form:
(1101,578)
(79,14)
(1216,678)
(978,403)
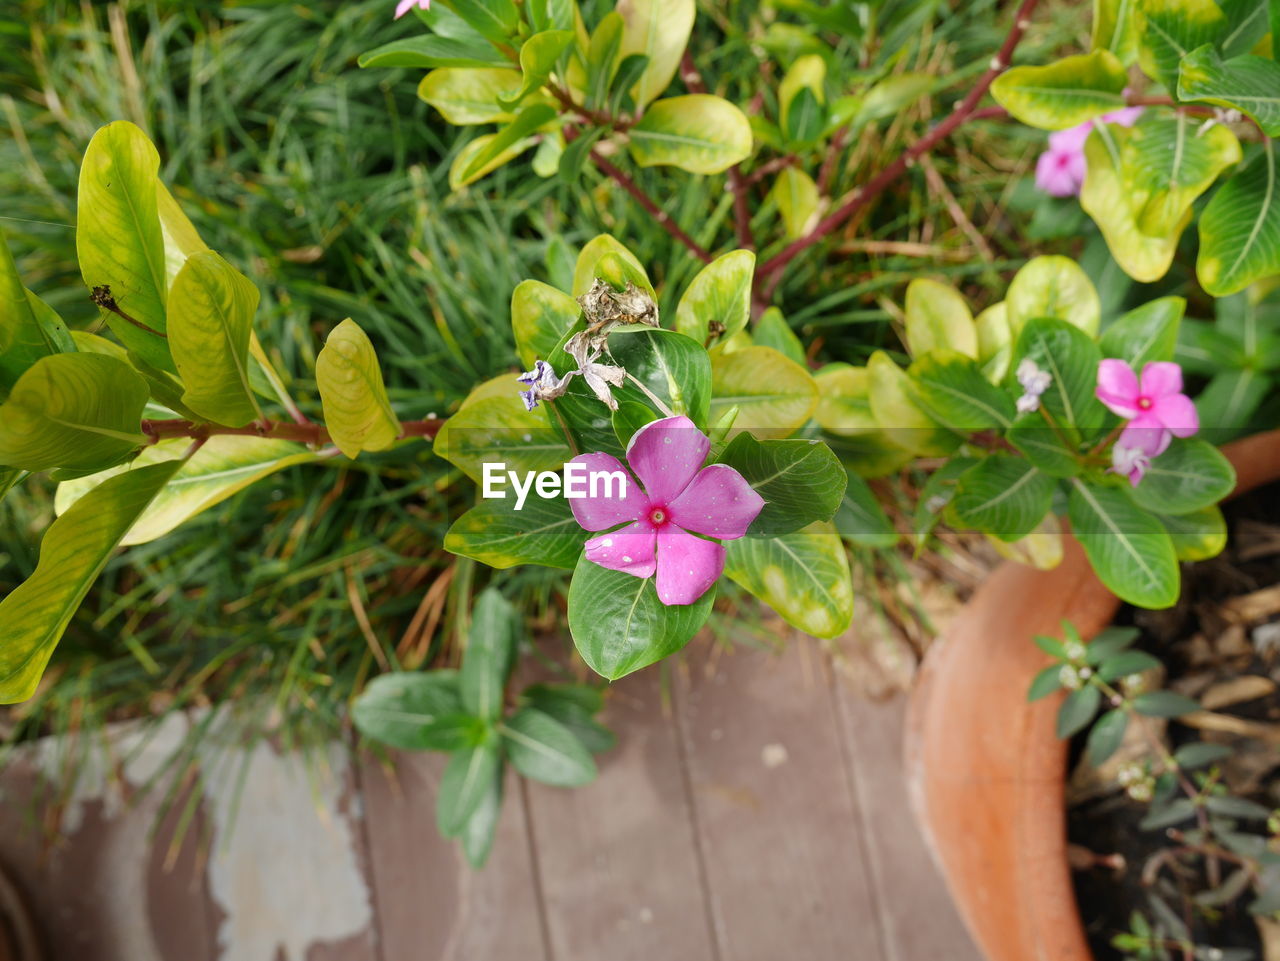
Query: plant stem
(874,187)
(692,78)
(308,433)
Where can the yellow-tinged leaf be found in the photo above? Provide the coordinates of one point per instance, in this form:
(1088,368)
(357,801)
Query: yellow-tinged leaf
(659,29)
(895,409)
(594,251)
(469,95)
(1042,548)
(181,239)
(1064,93)
(796,195)
(938,319)
(844,400)
(1053,287)
(775,396)
(995,341)
(696,132)
(540,316)
(473,149)
(356,408)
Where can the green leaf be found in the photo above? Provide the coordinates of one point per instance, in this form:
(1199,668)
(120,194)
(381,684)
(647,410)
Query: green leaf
(1004,496)
(1106,735)
(357,410)
(895,407)
(1065,93)
(796,195)
(1078,710)
(1047,681)
(1181,809)
(543,531)
(1071,358)
(1240,228)
(118,237)
(482,145)
(602,58)
(542,748)
(540,316)
(1197,536)
(1053,287)
(1110,641)
(775,396)
(574,706)
(937,318)
(495,20)
(1126,663)
(1128,548)
(717,303)
(525,125)
(804,576)
(1044,447)
(538,56)
(1145,334)
(1237,807)
(1200,754)
(806,118)
(658,29)
(211,308)
(74,552)
(619,625)
(1246,83)
(1168,30)
(860,518)
(1230,400)
(1246,25)
(222,467)
(801,481)
(772,330)
(1164,704)
(478,833)
(802,119)
(1115,28)
(696,132)
(594,252)
(491,650)
(76,411)
(466,96)
(995,341)
(434,51)
(29,329)
(412,711)
(468,781)
(1192,474)
(890,96)
(954,391)
(844,401)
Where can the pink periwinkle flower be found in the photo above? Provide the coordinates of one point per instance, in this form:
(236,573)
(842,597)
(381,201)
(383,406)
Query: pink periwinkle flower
(404,6)
(1060,170)
(1154,404)
(679,496)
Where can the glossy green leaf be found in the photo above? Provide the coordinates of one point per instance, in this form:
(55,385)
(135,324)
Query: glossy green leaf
(495,20)
(717,303)
(76,411)
(844,401)
(1054,452)
(484,144)
(586,269)
(861,519)
(221,468)
(1129,548)
(619,625)
(772,330)
(803,119)
(937,318)
(1053,287)
(29,329)
(695,132)
(1230,401)
(1199,535)
(1065,93)
(1246,24)
(118,237)
(211,308)
(951,387)
(412,711)
(1168,30)
(543,749)
(1145,334)
(527,122)
(1115,28)
(775,396)
(796,195)
(658,29)
(995,341)
(1004,496)
(74,552)
(540,316)
(434,51)
(466,96)
(538,57)
(543,531)
(602,58)
(1246,83)
(467,782)
(498,429)
(357,410)
(1240,227)
(801,481)
(1192,474)
(804,576)
(490,653)
(1070,357)
(181,240)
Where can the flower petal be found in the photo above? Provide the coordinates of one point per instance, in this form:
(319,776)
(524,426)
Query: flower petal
(1072,139)
(1145,433)
(1055,174)
(1125,116)
(1178,413)
(629,550)
(1118,387)
(666,454)
(687,565)
(718,502)
(404,6)
(1161,378)
(601,512)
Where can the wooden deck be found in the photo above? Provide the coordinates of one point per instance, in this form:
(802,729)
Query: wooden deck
(754,810)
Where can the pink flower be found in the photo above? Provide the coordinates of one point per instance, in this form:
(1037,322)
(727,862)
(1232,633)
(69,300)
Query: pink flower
(1154,405)
(1130,461)
(404,6)
(679,496)
(1060,170)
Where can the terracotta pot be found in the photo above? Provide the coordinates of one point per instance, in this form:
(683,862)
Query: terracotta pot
(986,769)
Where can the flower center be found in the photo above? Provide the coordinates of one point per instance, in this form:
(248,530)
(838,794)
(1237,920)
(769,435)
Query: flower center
(658,516)
(1144,403)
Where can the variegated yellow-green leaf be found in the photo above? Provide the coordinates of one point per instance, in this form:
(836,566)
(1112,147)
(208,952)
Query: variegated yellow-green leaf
(1115,28)
(224,466)
(462,161)
(771,330)
(538,56)
(1168,30)
(1248,83)
(473,162)
(1065,93)
(467,96)
(844,400)
(593,252)
(180,237)
(659,29)
(77,411)
(1041,549)
(696,132)
(803,576)
(718,300)
(540,315)
(774,395)
(938,319)
(1197,536)
(210,318)
(1240,228)
(806,73)
(1053,287)
(797,198)
(897,411)
(498,429)
(75,549)
(356,408)
(118,237)
(29,329)
(995,341)
(544,531)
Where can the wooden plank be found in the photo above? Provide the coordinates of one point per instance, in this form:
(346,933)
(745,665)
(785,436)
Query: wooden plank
(783,843)
(918,917)
(618,858)
(431,904)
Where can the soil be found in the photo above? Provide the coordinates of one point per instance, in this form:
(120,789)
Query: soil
(1221,646)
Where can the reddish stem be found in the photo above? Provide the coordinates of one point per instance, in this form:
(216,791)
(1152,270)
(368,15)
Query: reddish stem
(308,433)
